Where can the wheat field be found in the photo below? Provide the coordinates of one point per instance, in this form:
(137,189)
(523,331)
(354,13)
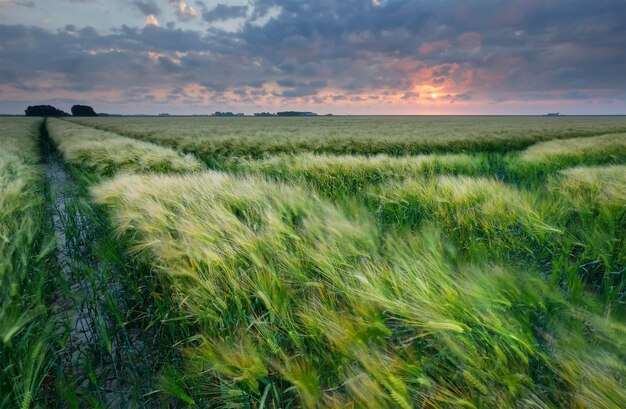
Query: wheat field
(362,262)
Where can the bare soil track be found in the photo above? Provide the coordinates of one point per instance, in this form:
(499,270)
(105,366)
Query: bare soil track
(97,354)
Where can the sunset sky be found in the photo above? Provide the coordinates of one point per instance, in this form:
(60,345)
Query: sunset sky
(339,56)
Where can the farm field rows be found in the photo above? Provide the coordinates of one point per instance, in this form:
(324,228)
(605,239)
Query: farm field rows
(105,153)
(353,262)
(213,139)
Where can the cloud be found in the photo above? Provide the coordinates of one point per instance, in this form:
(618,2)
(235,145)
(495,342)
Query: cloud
(434,47)
(470,40)
(300,89)
(224,12)
(286,82)
(151,20)
(410,95)
(148,7)
(345,51)
(183,11)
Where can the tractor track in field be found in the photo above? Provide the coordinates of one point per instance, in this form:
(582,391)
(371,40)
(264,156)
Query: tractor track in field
(93,365)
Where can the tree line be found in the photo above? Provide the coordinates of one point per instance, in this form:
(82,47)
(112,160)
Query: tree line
(49,110)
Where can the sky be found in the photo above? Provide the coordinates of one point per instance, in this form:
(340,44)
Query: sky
(420,57)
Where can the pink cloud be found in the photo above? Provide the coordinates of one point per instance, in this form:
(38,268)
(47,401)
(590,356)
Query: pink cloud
(151,21)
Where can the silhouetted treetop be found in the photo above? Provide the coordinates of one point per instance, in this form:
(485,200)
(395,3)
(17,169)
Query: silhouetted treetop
(83,110)
(44,110)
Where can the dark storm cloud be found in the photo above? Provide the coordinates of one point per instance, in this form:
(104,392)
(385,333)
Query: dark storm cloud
(148,7)
(564,49)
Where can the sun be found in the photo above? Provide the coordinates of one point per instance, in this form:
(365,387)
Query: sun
(427,91)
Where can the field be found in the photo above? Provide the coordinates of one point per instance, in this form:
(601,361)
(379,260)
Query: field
(335,262)
(219,138)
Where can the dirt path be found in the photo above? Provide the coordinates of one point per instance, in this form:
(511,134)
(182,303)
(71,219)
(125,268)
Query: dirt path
(90,349)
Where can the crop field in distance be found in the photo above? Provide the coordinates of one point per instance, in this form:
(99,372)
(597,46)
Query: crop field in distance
(217,137)
(327,262)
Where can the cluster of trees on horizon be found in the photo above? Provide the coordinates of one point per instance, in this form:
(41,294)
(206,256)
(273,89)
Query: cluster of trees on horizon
(49,110)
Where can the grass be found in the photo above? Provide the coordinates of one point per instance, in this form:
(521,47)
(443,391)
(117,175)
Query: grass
(537,161)
(590,204)
(25,329)
(332,262)
(217,139)
(593,188)
(294,303)
(335,175)
(573,229)
(481,213)
(595,149)
(106,153)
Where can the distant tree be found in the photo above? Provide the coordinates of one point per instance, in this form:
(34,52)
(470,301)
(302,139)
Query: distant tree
(218,113)
(44,110)
(83,110)
(295,113)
